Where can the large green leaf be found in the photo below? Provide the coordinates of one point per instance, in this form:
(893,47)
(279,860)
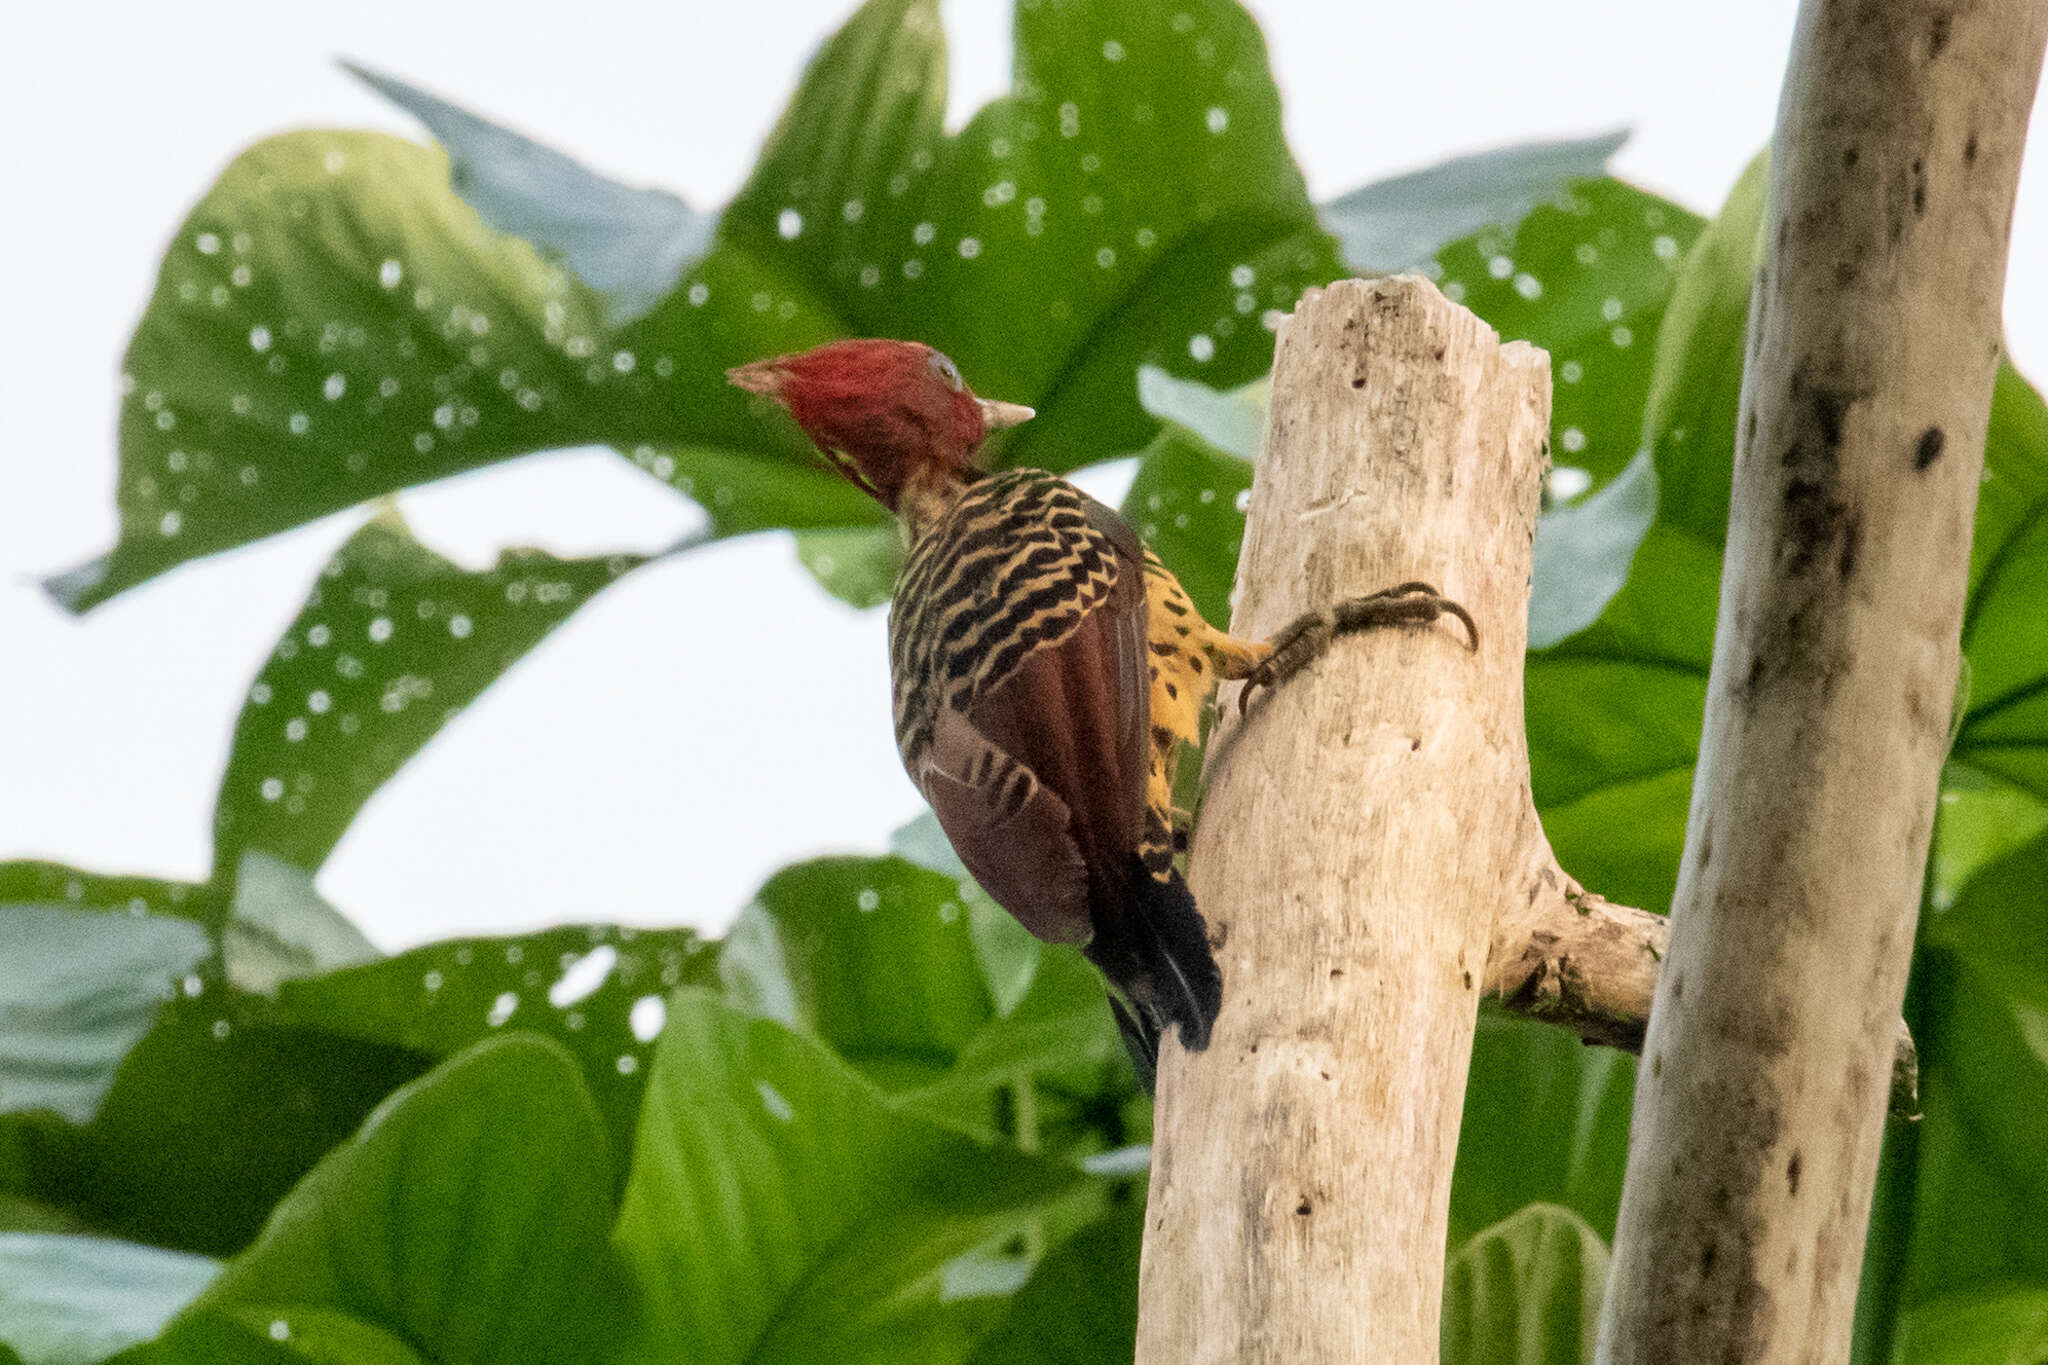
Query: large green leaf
(780,1209)
(631,245)
(211,1118)
(74,1300)
(1394,224)
(597,990)
(1587,277)
(333,322)
(905,972)
(2001,1326)
(1546,1122)
(392,642)
(469,1219)
(1080,1306)
(1525,1292)
(1982,1194)
(80,989)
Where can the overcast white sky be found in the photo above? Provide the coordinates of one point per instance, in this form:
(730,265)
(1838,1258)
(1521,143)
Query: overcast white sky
(637,766)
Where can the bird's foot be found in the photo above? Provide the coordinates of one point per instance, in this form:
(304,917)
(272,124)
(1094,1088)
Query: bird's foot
(1304,639)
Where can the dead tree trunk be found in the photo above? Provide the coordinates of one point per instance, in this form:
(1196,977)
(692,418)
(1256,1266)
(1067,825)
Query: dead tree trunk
(1360,829)
(1874,337)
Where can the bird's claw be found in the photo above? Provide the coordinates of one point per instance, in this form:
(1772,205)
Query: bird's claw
(1308,635)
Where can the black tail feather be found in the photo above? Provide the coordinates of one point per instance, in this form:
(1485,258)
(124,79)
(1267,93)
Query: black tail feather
(1154,947)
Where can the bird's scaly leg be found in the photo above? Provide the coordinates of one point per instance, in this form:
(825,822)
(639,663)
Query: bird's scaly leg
(1304,639)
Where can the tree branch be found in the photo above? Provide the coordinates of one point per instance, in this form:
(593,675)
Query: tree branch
(1566,956)
(1873,342)
(1360,828)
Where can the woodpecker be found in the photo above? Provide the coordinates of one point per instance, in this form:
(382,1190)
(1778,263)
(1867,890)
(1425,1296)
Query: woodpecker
(1047,669)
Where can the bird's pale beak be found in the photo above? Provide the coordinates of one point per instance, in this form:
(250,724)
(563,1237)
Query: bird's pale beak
(761,376)
(997,415)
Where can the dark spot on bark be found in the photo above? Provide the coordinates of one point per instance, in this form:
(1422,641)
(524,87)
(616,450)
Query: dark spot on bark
(1970,150)
(1927,449)
(1324,1074)
(1678,988)
(1749,430)
(1792,1173)
(1303,1207)
(1336,972)
(1255,1047)
(1937,34)
(1755,677)
(1359,382)
(1852,532)
(1468,981)
(1414,743)
(1784,234)
(1657,1065)
(1829,405)
(1707,843)
(1849,158)
(1813,519)
(1919,198)
(1707,1255)
(1845,274)
(1439,353)
(1219,934)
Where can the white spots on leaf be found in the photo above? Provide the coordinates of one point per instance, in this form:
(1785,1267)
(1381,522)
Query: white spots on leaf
(241,276)
(1528,286)
(1112,51)
(1217,119)
(913,268)
(459,626)
(1070,119)
(1666,248)
(318,702)
(335,387)
(628,1064)
(299,423)
(789,224)
(869,900)
(1586,253)
(259,338)
(1091,203)
(1622,337)
(1610,308)
(1105,257)
(502,1009)
(259,695)
(318,636)
(170,524)
(646,1018)
(1242,276)
(1568,481)
(773,1100)
(583,977)
(390,273)
(1202,347)
(208,243)
(622,361)
(1500,267)
(923,233)
(852,210)
(380,630)
(970,247)
(1000,193)
(272,788)
(1244,499)
(295,729)
(1571,372)
(1573,440)
(870,276)
(221,1028)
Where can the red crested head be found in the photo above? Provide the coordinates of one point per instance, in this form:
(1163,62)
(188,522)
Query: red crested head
(882,411)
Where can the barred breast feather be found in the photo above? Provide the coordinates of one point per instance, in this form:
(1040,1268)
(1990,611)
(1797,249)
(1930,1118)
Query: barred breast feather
(1018,643)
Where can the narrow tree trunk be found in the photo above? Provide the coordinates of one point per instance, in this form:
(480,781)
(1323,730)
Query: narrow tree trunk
(1360,829)
(1874,336)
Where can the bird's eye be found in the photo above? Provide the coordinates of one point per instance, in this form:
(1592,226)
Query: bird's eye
(948,371)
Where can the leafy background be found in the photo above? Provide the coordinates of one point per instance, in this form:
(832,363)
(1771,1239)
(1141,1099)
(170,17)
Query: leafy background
(875,1114)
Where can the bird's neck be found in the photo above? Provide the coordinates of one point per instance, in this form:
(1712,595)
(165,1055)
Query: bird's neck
(926,498)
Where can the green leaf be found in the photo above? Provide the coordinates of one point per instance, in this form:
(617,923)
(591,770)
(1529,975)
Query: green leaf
(33,882)
(1188,501)
(392,642)
(597,990)
(1080,1306)
(1979,1327)
(1394,224)
(470,1217)
(1546,1122)
(1587,277)
(74,1300)
(212,1117)
(1232,422)
(2005,631)
(254,1336)
(79,991)
(331,323)
(631,245)
(780,1209)
(1982,1189)
(1584,551)
(1132,202)
(279,927)
(1525,1292)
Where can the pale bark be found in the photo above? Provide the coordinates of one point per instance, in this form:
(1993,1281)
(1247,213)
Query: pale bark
(1564,955)
(1874,335)
(1360,829)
